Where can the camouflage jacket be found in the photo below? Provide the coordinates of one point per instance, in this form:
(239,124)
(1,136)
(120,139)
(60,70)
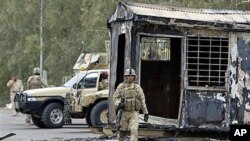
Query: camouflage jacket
(15,86)
(35,82)
(137,91)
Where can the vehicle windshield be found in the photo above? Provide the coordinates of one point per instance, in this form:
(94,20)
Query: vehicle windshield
(89,81)
(74,79)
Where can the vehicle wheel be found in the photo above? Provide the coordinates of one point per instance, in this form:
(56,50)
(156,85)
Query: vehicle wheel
(99,113)
(37,121)
(87,118)
(52,116)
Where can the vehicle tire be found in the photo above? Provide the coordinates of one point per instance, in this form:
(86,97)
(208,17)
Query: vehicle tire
(87,118)
(99,113)
(52,116)
(37,121)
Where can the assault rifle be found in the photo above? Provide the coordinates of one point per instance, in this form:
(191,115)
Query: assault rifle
(119,115)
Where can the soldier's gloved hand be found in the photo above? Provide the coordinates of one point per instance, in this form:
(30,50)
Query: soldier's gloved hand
(121,106)
(146,117)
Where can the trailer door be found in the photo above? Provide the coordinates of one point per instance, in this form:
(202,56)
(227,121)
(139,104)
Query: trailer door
(160,74)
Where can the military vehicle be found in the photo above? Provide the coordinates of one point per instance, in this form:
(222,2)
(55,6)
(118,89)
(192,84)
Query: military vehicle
(91,102)
(46,105)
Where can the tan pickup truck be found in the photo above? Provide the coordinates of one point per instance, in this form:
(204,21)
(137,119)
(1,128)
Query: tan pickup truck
(46,105)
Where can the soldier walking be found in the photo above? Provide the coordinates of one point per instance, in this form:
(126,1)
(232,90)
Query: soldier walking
(134,101)
(35,82)
(15,86)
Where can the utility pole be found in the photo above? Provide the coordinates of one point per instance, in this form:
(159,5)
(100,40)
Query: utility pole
(41,38)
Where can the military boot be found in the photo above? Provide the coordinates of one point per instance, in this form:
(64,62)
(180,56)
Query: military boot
(121,136)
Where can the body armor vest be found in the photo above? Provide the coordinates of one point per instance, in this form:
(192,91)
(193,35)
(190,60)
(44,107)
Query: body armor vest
(35,82)
(131,101)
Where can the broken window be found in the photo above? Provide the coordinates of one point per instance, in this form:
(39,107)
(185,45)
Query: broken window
(155,48)
(206,62)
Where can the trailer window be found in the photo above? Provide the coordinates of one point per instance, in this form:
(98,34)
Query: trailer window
(155,48)
(206,62)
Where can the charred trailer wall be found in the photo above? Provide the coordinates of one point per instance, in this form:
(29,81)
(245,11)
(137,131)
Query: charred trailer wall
(240,81)
(205,109)
(217,103)
(216,73)
(205,92)
(209,60)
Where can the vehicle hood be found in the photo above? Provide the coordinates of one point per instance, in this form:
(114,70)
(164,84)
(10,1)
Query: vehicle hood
(52,91)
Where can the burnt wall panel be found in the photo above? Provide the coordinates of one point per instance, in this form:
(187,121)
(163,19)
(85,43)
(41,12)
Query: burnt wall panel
(243,47)
(205,108)
(196,111)
(215,110)
(243,87)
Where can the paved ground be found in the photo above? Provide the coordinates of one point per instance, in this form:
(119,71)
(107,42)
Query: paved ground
(16,125)
(78,131)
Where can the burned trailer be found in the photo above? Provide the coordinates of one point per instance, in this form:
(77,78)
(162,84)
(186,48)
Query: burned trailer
(192,64)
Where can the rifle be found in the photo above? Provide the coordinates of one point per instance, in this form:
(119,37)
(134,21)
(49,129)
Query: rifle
(119,115)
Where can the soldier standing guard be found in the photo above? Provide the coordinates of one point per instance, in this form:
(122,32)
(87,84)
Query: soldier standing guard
(35,82)
(134,102)
(15,86)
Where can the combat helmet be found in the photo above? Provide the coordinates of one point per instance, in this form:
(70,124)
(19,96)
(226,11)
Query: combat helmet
(36,70)
(130,71)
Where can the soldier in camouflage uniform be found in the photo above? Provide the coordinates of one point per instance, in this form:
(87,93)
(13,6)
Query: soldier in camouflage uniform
(134,102)
(35,82)
(103,82)
(15,86)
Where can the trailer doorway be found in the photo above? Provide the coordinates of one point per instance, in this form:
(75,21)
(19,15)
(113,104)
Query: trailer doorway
(120,60)
(160,74)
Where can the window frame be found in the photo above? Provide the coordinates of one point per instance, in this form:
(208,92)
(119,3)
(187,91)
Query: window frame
(207,70)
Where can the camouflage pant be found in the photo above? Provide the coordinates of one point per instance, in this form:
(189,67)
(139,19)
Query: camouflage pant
(12,97)
(129,121)
(28,119)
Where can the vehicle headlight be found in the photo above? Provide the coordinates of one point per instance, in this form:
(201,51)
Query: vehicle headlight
(31,99)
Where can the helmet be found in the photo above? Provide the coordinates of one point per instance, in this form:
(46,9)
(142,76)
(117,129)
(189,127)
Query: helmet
(36,70)
(130,71)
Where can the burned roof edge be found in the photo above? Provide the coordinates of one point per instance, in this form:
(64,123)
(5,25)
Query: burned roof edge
(125,12)
(186,9)
(122,13)
(193,23)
